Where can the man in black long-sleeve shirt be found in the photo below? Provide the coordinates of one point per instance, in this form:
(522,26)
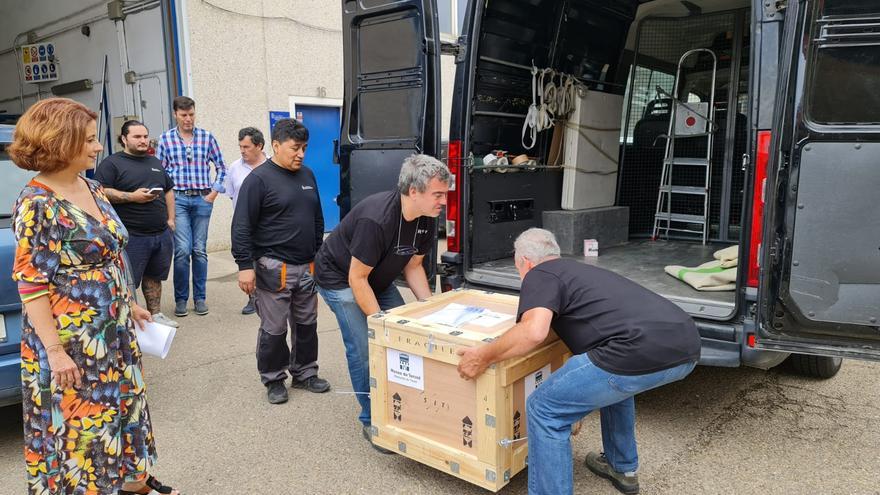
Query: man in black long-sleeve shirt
(277,228)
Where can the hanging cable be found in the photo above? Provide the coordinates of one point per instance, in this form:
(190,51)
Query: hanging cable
(531,121)
(550,100)
(554,96)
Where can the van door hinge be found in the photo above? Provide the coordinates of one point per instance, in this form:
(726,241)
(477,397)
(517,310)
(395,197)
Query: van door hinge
(444,269)
(449,48)
(746,160)
(773,7)
(772,253)
(457,49)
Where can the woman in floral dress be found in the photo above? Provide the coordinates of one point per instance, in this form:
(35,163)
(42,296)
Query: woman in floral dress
(86,422)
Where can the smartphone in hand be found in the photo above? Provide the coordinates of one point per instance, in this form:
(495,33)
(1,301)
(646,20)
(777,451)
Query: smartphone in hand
(156,191)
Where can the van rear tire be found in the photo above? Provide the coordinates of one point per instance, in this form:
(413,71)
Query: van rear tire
(822,367)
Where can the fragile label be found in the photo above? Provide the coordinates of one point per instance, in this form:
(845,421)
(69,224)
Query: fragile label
(534,380)
(406,369)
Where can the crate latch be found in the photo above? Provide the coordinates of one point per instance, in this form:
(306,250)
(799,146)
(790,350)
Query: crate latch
(506,442)
(490,475)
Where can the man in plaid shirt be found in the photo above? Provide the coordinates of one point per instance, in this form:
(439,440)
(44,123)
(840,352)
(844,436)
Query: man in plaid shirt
(187,153)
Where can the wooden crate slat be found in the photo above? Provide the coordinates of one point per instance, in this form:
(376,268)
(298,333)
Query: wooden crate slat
(440,457)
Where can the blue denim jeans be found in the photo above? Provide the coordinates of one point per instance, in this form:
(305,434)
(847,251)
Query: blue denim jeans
(572,392)
(353,325)
(192,216)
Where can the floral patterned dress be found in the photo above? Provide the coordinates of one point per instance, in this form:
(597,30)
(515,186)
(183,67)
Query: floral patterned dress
(90,440)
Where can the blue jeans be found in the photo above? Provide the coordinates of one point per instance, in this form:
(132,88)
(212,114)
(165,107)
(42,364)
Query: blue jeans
(192,215)
(353,325)
(572,392)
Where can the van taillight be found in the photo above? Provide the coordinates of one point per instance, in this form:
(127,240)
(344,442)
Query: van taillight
(760,192)
(453,199)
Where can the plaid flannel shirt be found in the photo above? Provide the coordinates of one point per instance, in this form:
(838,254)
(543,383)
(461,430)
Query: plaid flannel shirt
(189,165)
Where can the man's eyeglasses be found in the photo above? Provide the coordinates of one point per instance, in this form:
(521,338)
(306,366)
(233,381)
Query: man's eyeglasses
(406,250)
(189,154)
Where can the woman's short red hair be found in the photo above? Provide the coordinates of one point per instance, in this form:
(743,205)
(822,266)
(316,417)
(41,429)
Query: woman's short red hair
(50,134)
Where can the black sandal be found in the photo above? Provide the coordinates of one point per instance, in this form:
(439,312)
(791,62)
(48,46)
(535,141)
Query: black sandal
(151,484)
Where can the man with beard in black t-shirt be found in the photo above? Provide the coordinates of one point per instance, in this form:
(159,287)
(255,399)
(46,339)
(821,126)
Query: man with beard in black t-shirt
(625,340)
(384,235)
(142,194)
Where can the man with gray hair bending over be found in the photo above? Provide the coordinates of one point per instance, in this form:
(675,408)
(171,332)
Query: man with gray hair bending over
(625,340)
(384,235)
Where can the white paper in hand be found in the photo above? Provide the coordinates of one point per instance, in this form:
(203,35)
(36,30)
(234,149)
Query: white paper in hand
(155,339)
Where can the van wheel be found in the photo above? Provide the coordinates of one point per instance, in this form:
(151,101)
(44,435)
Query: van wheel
(823,367)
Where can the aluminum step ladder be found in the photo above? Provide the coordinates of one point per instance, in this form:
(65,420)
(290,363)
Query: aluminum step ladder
(665,219)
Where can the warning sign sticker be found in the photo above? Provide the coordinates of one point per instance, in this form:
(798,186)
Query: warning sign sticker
(406,369)
(534,380)
(39,63)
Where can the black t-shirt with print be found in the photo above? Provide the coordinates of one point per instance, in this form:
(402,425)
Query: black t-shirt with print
(375,233)
(623,327)
(128,173)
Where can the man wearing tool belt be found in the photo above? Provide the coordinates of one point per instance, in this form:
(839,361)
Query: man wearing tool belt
(384,235)
(277,227)
(625,340)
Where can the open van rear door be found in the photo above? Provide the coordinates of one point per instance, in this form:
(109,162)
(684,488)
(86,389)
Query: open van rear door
(392,92)
(820,277)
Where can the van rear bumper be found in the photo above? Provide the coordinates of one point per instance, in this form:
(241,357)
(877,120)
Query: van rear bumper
(725,346)
(734,355)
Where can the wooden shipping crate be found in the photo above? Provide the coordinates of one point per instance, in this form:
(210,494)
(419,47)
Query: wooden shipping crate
(422,409)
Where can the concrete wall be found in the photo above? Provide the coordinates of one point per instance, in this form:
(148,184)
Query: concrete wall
(248,57)
(447,78)
(81,57)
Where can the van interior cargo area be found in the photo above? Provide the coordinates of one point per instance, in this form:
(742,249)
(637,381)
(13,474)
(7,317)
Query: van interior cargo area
(637,260)
(633,51)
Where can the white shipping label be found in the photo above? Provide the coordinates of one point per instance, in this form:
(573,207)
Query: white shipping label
(534,380)
(406,369)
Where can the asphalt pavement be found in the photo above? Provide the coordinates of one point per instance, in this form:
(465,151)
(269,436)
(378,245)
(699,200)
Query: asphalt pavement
(719,431)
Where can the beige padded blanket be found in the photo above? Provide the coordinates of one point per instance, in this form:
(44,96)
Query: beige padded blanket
(716,275)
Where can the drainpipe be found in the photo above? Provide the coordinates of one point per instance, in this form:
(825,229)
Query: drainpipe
(116,14)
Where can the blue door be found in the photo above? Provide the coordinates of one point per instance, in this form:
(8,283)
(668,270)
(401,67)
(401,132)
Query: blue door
(323,125)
